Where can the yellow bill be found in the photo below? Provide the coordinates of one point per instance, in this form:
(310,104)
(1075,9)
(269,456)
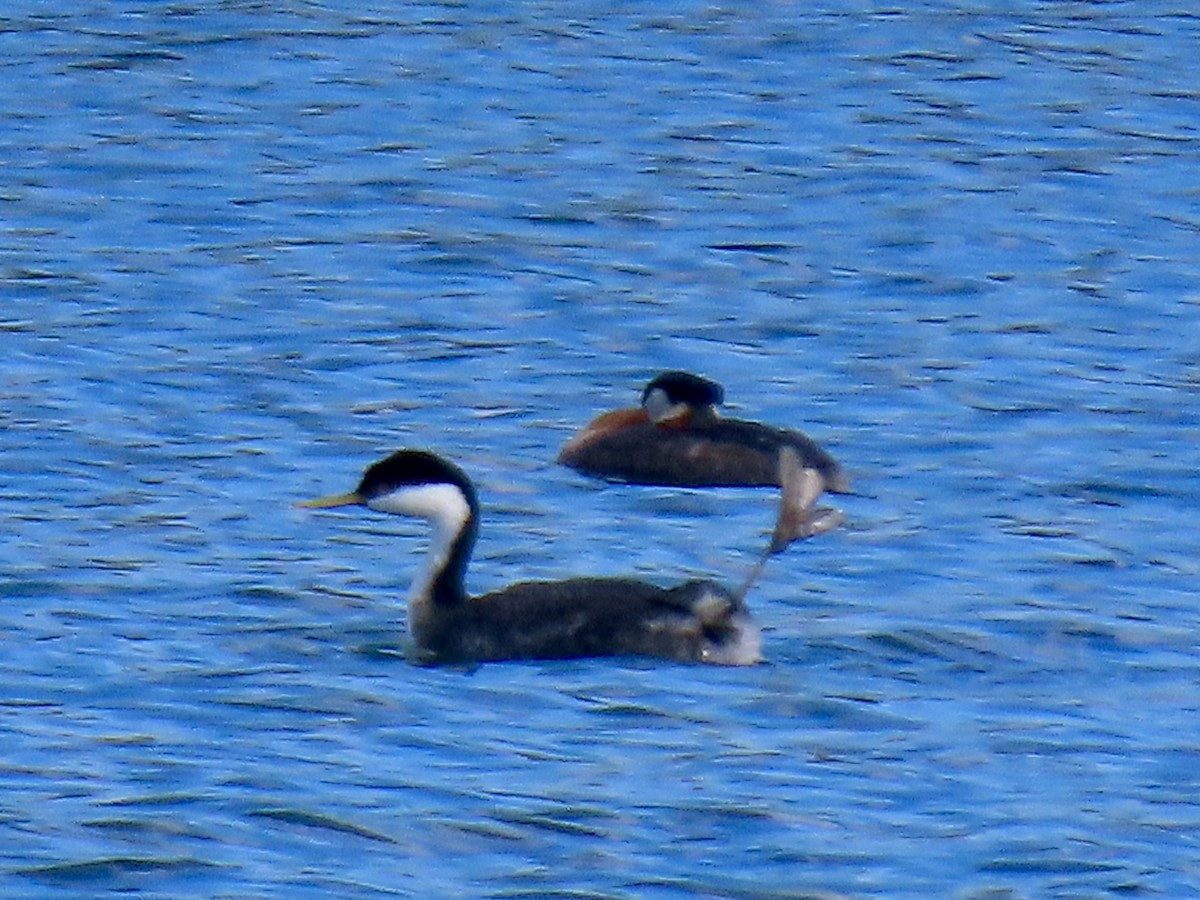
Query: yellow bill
(351,499)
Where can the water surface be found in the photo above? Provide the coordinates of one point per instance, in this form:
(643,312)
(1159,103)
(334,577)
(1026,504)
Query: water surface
(248,250)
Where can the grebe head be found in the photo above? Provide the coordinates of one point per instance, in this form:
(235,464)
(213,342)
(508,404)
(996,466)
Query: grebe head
(412,483)
(673,394)
(418,483)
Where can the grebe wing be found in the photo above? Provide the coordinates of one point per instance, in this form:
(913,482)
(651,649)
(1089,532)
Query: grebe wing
(649,454)
(587,617)
(605,598)
(767,440)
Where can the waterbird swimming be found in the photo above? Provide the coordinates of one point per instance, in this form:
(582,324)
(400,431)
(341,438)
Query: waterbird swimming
(677,437)
(698,620)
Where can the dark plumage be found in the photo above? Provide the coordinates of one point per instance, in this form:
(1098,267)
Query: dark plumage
(678,438)
(698,621)
(694,391)
(724,453)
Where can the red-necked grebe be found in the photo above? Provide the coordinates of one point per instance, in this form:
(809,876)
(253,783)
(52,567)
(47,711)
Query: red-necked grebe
(677,437)
(698,620)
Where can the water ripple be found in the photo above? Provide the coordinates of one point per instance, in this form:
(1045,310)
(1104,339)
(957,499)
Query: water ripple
(952,244)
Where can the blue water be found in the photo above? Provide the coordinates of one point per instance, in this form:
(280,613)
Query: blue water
(249,248)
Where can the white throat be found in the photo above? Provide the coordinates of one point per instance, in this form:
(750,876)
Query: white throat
(659,407)
(445,508)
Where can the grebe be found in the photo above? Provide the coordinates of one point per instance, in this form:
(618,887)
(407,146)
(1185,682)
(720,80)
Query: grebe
(698,620)
(676,437)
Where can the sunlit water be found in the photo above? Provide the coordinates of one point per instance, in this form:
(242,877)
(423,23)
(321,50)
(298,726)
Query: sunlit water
(249,248)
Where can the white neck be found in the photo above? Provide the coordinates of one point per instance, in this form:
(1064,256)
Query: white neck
(446,509)
(659,407)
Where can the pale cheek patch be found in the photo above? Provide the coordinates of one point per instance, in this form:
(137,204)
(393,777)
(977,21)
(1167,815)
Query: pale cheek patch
(441,504)
(444,507)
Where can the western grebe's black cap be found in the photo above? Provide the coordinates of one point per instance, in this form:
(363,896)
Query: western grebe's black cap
(409,468)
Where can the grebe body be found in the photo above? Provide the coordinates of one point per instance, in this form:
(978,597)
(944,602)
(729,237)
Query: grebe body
(697,621)
(676,437)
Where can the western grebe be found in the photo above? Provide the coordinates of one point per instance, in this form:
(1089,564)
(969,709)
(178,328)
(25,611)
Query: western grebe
(698,620)
(676,437)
